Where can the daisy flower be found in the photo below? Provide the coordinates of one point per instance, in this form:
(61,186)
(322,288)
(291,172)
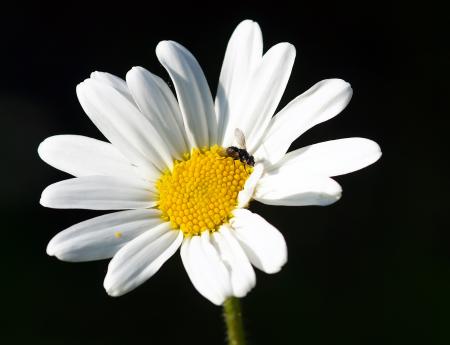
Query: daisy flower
(167,173)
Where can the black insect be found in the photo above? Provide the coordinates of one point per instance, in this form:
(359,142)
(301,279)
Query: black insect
(240,153)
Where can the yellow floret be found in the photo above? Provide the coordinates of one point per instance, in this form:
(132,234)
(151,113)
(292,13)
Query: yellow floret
(200,192)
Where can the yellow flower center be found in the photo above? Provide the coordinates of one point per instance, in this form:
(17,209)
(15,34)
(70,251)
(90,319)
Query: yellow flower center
(201,192)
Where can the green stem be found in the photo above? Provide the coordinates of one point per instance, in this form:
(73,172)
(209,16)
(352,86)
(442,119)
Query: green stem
(233,319)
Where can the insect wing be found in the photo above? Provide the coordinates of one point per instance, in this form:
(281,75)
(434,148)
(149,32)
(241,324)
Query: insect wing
(240,138)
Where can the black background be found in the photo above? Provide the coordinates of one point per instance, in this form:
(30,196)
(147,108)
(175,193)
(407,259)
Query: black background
(372,269)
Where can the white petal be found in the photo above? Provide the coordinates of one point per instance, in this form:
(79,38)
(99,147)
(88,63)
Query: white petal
(331,158)
(195,274)
(261,241)
(101,237)
(262,95)
(124,126)
(83,156)
(246,194)
(293,188)
(99,193)
(205,268)
(242,275)
(157,102)
(141,258)
(110,79)
(243,55)
(320,103)
(193,93)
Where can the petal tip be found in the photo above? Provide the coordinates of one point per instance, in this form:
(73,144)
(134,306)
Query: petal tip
(113,293)
(162,46)
(378,152)
(96,74)
(132,73)
(333,195)
(273,270)
(167,48)
(110,289)
(81,86)
(374,148)
(136,69)
(50,250)
(291,47)
(42,148)
(44,199)
(47,194)
(248,24)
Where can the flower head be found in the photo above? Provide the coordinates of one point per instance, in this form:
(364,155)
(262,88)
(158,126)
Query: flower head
(167,169)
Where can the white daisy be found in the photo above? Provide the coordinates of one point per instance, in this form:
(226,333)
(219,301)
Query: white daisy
(165,166)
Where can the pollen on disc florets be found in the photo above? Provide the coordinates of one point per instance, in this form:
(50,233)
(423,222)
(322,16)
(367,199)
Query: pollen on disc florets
(201,191)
